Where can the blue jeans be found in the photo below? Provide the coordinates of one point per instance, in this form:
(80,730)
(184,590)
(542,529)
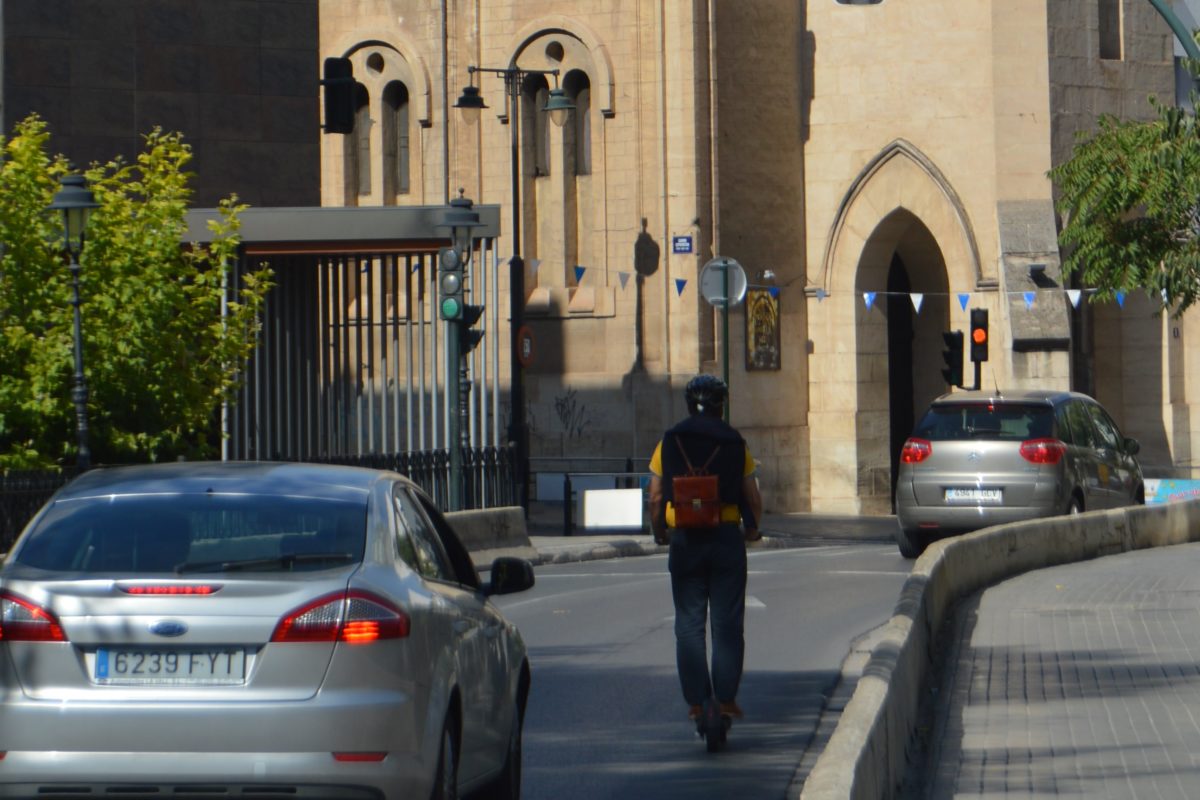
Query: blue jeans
(708,575)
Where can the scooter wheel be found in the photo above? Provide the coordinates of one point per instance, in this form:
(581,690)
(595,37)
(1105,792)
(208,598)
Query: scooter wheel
(715,726)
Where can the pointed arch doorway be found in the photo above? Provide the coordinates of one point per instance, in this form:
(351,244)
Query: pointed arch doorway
(901,237)
(905,338)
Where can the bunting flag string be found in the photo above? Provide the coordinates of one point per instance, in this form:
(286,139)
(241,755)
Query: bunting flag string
(1074,296)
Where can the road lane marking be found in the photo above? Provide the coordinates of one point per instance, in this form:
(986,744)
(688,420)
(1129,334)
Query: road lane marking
(865,572)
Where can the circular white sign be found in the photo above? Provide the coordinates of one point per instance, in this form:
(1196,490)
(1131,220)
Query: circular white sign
(723,282)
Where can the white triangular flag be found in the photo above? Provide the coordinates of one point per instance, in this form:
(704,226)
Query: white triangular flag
(917,300)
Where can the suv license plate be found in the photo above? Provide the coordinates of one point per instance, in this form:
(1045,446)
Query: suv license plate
(990,496)
(200,667)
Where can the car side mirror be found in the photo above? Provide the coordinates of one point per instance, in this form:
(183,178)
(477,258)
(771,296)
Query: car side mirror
(1132,446)
(509,575)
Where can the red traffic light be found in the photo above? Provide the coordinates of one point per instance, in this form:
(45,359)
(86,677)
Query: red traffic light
(979,334)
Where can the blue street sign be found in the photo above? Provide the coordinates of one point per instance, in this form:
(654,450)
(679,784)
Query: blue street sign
(681,245)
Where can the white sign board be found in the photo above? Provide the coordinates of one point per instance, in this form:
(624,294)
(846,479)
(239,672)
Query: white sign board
(613,508)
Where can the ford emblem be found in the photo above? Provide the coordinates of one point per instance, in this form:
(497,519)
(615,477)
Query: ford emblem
(168,627)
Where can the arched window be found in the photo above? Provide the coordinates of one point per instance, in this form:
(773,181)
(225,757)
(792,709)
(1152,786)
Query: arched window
(577,133)
(396,151)
(357,161)
(536,124)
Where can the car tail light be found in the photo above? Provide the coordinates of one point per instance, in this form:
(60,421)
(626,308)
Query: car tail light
(916,450)
(1043,451)
(354,617)
(24,621)
(359,757)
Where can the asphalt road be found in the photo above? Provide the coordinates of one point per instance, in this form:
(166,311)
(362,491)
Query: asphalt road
(606,718)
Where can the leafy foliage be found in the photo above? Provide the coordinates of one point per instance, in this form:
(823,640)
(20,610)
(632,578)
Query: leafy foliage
(1130,196)
(159,356)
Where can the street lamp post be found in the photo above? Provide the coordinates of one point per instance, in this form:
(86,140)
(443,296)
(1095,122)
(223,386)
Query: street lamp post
(470,104)
(76,203)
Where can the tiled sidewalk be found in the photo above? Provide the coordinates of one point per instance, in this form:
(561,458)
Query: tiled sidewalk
(1076,681)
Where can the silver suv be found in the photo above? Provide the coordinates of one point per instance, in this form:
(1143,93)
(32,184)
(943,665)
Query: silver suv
(977,459)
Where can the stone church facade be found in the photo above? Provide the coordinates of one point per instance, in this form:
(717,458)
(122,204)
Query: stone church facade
(877,169)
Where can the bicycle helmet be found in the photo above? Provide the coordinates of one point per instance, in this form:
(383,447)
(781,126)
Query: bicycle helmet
(706,393)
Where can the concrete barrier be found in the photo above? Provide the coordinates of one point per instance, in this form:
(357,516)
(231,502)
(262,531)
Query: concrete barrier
(490,532)
(867,754)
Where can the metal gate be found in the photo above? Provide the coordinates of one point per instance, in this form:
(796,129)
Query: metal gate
(350,364)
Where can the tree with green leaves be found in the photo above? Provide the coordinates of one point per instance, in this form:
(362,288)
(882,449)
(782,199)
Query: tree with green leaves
(1130,196)
(160,353)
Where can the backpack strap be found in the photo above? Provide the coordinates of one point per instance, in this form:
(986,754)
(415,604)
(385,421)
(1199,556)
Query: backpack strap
(692,470)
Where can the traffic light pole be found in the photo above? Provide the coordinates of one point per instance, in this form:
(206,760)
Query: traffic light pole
(455,365)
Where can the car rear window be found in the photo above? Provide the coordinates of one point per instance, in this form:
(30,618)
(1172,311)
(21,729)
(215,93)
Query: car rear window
(999,421)
(210,532)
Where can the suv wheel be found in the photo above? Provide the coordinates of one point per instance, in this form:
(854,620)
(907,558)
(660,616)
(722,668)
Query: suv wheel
(911,544)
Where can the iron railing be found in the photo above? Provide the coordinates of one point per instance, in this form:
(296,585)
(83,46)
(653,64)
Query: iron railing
(488,482)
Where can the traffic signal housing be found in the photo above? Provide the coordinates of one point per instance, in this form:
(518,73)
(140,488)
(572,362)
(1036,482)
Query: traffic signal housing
(953,357)
(979,334)
(450,284)
(469,337)
(338,80)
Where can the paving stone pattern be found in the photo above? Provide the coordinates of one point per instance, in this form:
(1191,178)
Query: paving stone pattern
(1075,681)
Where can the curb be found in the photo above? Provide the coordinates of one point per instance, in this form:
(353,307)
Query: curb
(866,756)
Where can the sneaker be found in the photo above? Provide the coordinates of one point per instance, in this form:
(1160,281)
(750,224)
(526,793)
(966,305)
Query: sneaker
(731,709)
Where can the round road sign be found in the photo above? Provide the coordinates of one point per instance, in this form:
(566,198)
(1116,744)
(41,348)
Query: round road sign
(723,282)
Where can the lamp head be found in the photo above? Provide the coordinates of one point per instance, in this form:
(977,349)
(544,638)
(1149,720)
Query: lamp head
(75,201)
(470,104)
(461,220)
(558,107)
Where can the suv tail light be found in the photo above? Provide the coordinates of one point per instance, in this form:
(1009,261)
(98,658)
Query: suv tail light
(355,617)
(916,450)
(1043,451)
(24,621)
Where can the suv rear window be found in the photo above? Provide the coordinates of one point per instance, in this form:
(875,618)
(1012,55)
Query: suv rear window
(210,532)
(1011,422)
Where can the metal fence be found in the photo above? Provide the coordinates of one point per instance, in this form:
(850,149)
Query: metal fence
(351,358)
(488,480)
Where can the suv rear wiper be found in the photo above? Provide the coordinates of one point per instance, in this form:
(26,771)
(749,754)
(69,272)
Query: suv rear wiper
(285,562)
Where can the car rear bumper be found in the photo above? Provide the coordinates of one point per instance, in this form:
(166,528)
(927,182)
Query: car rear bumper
(938,521)
(268,749)
(310,776)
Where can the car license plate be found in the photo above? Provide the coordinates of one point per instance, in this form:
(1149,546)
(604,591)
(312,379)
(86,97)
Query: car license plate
(989,496)
(203,666)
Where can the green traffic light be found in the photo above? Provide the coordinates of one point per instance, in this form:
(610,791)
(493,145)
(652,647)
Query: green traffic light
(451,308)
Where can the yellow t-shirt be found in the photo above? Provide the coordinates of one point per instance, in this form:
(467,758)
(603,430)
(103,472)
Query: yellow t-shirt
(729,513)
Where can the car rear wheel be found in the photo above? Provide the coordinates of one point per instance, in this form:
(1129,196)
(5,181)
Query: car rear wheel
(1074,506)
(911,544)
(446,785)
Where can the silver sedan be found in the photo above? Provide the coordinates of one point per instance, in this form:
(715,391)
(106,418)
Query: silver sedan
(255,630)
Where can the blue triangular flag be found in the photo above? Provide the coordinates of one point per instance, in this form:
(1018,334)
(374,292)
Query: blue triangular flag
(679,284)
(579,273)
(869,297)
(1121,299)
(963,299)
(821,295)
(624,278)
(773,291)
(1029,299)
